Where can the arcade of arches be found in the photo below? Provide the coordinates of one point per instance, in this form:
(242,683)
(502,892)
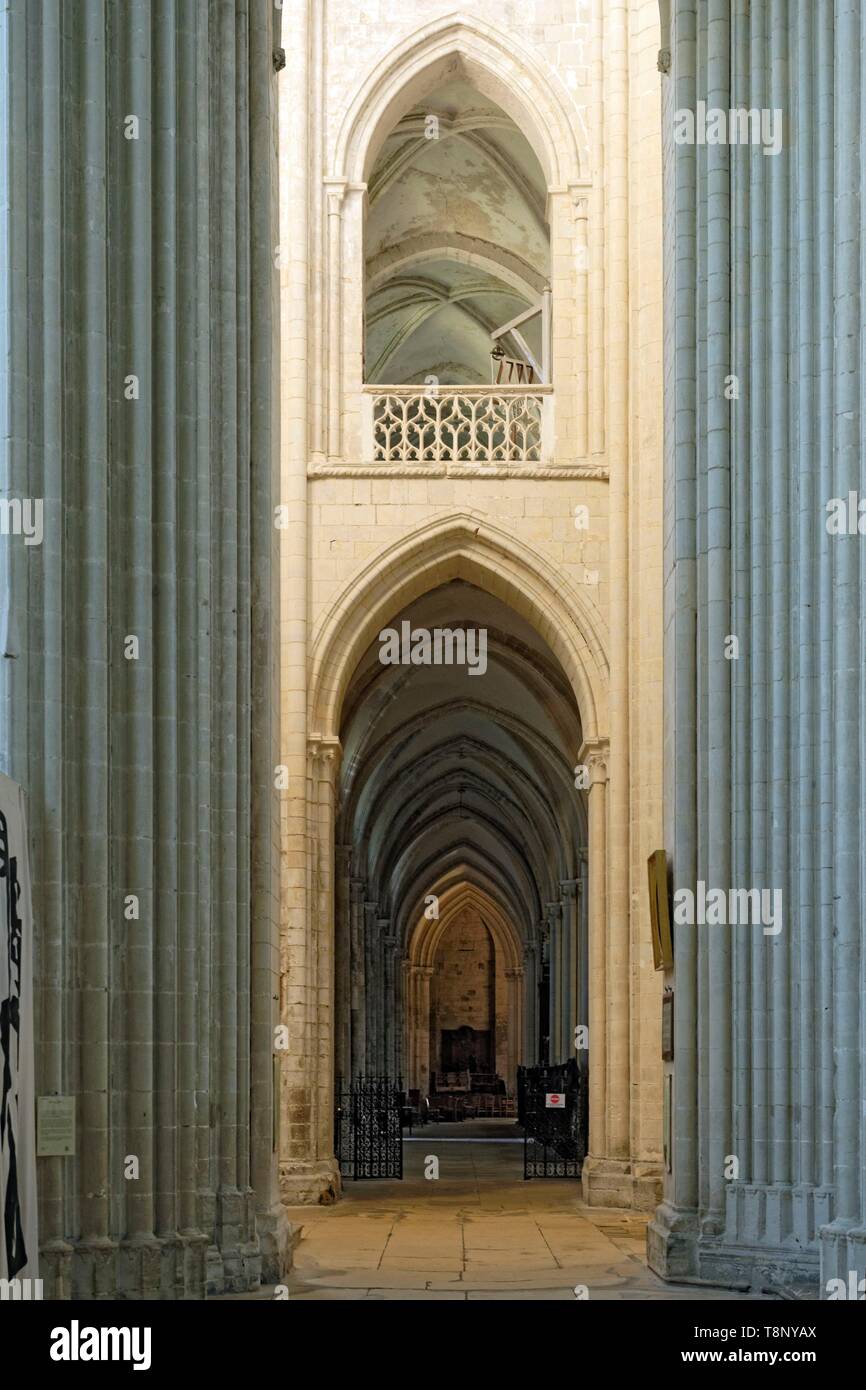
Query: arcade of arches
(461,856)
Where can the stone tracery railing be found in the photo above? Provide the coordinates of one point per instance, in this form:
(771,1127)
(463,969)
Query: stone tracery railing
(458,424)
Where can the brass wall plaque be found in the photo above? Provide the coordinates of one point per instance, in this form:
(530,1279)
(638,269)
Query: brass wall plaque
(660,921)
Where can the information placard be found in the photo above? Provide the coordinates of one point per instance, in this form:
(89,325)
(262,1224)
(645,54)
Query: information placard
(55,1126)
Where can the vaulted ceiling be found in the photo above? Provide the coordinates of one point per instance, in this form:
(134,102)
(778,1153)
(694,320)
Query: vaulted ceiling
(449,778)
(456,240)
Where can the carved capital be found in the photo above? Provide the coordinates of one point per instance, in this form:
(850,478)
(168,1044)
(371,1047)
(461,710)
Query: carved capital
(595,754)
(335,192)
(323,756)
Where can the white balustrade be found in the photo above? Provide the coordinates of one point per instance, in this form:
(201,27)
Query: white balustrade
(458,424)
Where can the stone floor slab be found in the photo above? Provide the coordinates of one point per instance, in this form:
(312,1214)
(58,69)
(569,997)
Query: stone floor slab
(480,1234)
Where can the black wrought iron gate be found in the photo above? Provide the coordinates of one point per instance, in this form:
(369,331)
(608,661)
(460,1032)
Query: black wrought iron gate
(368,1135)
(551,1106)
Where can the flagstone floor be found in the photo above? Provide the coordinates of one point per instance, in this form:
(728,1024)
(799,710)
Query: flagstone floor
(479,1231)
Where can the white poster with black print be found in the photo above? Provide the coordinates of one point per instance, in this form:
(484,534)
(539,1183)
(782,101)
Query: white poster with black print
(19,1257)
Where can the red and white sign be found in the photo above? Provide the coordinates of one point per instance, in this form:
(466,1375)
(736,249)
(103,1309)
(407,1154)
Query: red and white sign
(554,1100)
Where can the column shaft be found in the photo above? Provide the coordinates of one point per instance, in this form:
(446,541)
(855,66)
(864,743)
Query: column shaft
(141,157)
(598,1050)
(617,968)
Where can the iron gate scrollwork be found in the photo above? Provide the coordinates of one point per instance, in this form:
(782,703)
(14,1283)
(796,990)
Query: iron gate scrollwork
(368,1134)
(555,1138)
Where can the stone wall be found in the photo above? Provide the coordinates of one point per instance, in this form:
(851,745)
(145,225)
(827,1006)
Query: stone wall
(468,990)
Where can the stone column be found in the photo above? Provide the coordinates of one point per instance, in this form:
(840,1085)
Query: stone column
(581,215)
(543,993)
(596,332)
(530,1037)
(342,961)
(300,1177)
(514,978)
(762,790)
(308,1169)
(570,1005)
(555,934)
(404,1035)
(673,1233)
(312,18)
(135,708)
(583,966)
(326,765)
(604,1177)
(275,1234)
(843,1240)
(384,1022)
(410,1022)
(334,376)
(716,950)
(391,1019)
(425,975)
(618,963)
(371,958)
(358,1049)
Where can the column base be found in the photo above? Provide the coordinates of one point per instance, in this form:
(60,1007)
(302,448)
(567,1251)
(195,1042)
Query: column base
(766,1242)
(277,1241)
(156,1267)
(759,1269)
(769,1236)
(614,1182)
(94,1268)
(55,1268)
(144,1266)
(671,1243)
(774,1214)
(842,1247)
(305,1183)
(234,1259)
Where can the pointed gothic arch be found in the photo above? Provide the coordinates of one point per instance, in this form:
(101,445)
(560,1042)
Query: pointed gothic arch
(462,546)
(424,940)
(469,547)
(532,94)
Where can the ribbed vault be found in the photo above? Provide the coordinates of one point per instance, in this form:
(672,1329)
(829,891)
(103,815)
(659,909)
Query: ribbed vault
(456,239)
(455,788)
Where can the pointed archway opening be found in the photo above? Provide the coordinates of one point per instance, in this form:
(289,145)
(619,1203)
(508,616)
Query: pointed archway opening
(463,1005)
(457,246)
(461,921)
